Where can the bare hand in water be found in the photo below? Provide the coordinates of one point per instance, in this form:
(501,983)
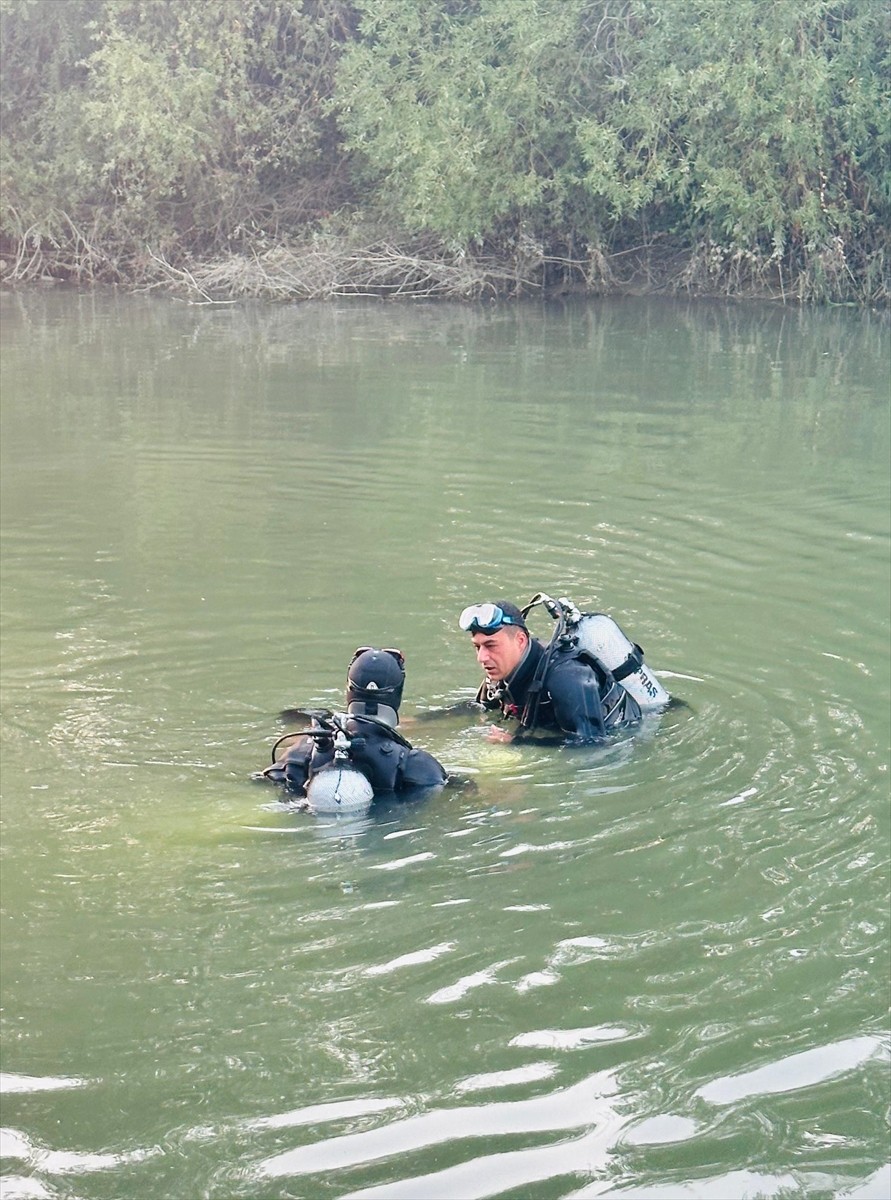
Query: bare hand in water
(497,734)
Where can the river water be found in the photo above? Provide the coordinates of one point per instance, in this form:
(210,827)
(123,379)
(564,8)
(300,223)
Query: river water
(658,968)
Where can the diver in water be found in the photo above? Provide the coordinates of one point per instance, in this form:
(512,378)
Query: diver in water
(365,736)
(560,689)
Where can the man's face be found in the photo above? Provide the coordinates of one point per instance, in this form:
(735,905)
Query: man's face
(499,652)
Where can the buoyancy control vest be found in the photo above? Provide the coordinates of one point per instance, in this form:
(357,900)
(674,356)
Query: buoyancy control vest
(560,689)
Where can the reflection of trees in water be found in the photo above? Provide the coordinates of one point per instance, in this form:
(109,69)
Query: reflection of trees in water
(816,341)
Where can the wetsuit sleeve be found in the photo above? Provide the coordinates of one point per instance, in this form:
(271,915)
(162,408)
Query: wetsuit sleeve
(292,769)
(575,693)
(421,769)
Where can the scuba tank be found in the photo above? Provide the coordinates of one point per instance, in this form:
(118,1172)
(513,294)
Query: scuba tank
(339,787)
(599,635)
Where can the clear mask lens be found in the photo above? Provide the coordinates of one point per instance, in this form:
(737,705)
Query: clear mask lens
(483,618)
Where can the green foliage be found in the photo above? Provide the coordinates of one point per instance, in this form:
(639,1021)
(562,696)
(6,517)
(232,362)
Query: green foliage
(758,128)
(43,45)
(181,124)
(752,138)
(456,111)
(772,119)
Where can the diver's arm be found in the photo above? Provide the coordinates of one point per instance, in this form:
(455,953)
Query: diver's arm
(292,769)
(420,769)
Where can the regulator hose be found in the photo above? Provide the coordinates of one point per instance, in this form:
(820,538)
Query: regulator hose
(533,701)
(329,726)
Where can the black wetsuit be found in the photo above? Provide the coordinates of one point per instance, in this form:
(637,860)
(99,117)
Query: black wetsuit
(385,758)
(578,701)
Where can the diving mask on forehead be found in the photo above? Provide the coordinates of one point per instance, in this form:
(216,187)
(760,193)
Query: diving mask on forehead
(485,618)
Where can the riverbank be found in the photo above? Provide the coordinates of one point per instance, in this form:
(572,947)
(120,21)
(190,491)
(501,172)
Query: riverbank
(326,266)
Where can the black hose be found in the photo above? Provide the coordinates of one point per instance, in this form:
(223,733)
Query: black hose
(317,731)
(328,726)
(533,702)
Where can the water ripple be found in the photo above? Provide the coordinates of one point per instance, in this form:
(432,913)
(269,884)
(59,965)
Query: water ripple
(585,1103)
(802,1070)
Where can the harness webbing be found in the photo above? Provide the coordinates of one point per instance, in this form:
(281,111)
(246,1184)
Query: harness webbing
(632,663)
(533,697)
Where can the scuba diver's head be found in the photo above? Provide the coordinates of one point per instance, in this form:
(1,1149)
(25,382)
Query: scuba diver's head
(374,684)
(500,636)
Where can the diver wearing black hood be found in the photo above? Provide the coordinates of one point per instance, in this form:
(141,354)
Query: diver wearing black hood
(375,680)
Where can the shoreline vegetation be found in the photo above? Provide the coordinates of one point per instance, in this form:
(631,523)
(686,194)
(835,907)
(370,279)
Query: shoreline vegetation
(448,149)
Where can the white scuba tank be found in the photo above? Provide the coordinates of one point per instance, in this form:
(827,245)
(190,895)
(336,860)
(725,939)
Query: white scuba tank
(339,789)
(602,637)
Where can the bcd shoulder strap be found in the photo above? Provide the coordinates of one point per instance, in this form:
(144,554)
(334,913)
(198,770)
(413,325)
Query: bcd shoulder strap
(632,663)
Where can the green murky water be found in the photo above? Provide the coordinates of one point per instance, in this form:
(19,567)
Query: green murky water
(655,969)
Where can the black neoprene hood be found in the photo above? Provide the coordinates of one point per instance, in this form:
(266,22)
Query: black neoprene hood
(376,677)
